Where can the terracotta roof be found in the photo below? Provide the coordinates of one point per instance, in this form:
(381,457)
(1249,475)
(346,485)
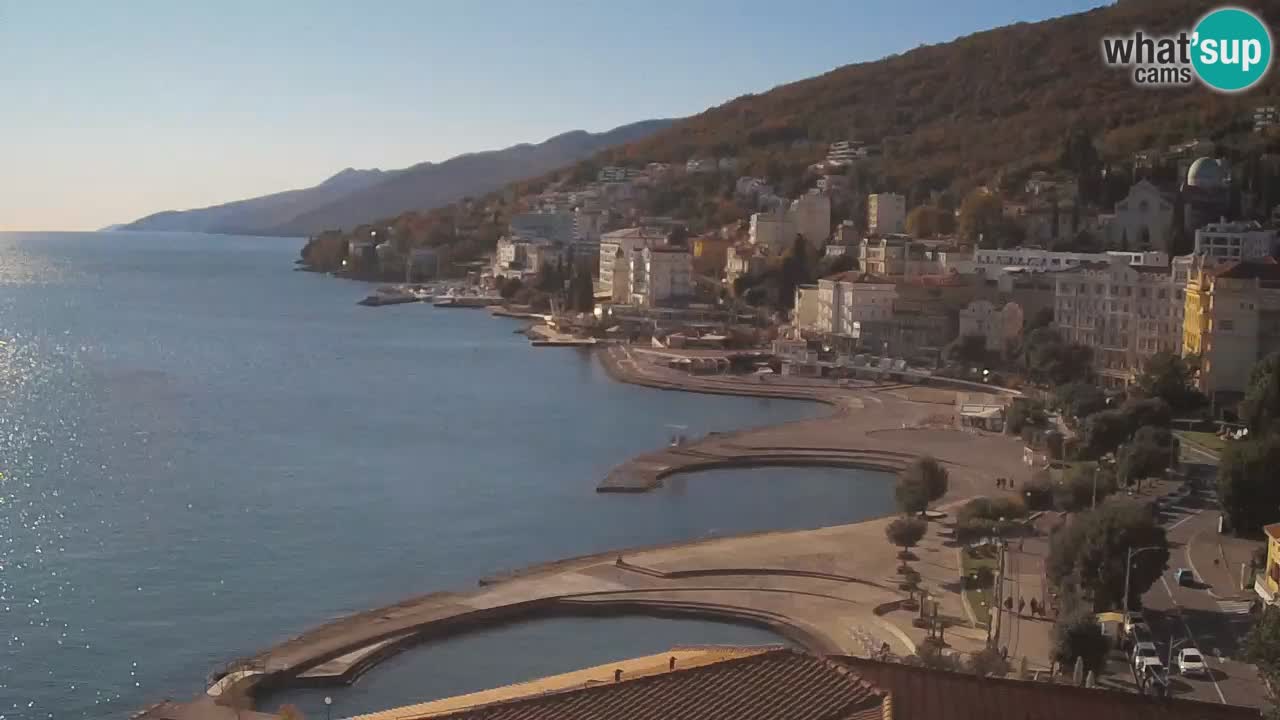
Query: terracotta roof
(780,685)
(1272,530)
(1266,270)
(923,694)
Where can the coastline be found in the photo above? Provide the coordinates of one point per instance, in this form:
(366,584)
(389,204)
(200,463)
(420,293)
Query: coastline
(717,578)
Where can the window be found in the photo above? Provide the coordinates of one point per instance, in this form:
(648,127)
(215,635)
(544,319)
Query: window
(1227,325)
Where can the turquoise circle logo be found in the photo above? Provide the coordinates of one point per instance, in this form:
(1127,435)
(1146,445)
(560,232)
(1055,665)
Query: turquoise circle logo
(1232,49)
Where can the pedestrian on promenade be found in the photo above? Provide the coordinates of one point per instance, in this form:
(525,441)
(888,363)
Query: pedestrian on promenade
(1035,607)
(1008,603)
(1022,603)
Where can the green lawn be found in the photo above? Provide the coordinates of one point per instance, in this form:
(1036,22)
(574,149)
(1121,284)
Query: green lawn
(979,600)
(1206,440)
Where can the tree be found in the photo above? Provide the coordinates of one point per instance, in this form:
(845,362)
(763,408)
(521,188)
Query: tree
(1148,454)
(930,473)
(1103,432)
(1082,484)
(1247,489)
(1262,648)
(910,494)
(927,221)
(1078,400)
(1148,411)
(1261,406)
(844,262)
(980,212)
(1049,359)
(1078,636)
(1026,413)
(988,662)
(1169,377)
(906,532)
(1090,553)
(968,349)
(510,287)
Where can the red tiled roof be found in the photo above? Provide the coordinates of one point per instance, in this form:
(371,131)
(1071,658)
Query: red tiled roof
(917,693)
(1266,269)
(1272,530)
(778,685)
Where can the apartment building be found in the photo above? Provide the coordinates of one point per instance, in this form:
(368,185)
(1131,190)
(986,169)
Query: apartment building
(1232,320)
(660,275)
(616,248)
(847,300)
(1000,326)
(1235,241)
(1125,312)
(898,256)
(886,213)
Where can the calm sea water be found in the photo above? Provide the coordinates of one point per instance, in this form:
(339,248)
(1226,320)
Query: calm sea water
(204,452)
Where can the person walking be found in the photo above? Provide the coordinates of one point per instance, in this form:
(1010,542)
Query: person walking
(1022,603)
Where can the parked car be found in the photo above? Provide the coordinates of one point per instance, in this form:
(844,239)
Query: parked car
(1191,662)
(1185,577)
(1135,624)
(1145,653)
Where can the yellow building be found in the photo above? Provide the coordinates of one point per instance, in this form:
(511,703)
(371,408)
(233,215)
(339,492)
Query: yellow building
(1231,320)
(1268,584)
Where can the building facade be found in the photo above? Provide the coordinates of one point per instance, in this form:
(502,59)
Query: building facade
(1142,220)
(660,276)
(810,214)
(772,231)
(617,246)
(1232,320)
(993,263)
(999,326)
(886,213)
(848,300)
(1126,313)
(1235,241)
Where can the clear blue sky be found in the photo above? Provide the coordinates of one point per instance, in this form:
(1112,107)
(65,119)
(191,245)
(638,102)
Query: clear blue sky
(110,111)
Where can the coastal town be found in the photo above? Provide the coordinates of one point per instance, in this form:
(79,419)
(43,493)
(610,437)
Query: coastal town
(1078,404)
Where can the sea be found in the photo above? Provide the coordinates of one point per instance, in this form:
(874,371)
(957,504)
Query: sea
(204,451)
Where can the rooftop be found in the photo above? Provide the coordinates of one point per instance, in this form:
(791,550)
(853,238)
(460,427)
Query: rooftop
(775,683)
(917,693)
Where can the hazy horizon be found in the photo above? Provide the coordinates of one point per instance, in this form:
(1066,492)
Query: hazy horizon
(121,113)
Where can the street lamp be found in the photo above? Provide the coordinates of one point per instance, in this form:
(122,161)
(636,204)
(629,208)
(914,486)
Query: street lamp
(1128,564)
(328,707)
(1173,646)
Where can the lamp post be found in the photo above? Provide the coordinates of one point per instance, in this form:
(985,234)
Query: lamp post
(328,707)
(1173,646)
(1128,565)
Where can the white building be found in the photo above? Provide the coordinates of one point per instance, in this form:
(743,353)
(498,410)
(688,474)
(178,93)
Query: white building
(773,231)
(511,258)
(700,165)
(886,213)
(847,300)
(614,173)
(805,314)
(1143,220)
(1126,313)
(810,214)
(1235,241)
(1000,327)
(994,263)
(659,275)
(845,152)
(616,249)
(588,225)
(742,260)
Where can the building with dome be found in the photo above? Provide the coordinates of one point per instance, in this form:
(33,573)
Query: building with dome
(1205,194)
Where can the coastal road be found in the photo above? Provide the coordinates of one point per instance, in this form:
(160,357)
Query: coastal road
(1212,618)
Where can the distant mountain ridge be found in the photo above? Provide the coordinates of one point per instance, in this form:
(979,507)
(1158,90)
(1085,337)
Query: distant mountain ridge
(352,197)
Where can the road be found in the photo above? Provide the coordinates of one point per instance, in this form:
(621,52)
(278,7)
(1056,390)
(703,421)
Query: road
(1189,616)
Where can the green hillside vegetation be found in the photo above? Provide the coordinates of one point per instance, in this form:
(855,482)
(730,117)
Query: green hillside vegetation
(986,109)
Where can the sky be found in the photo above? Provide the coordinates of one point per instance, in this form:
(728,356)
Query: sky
(112,111)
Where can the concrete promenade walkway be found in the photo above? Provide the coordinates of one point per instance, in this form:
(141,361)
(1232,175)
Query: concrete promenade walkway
(831,590)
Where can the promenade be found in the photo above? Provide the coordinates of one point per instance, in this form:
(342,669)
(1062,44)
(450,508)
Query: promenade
(830,590)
